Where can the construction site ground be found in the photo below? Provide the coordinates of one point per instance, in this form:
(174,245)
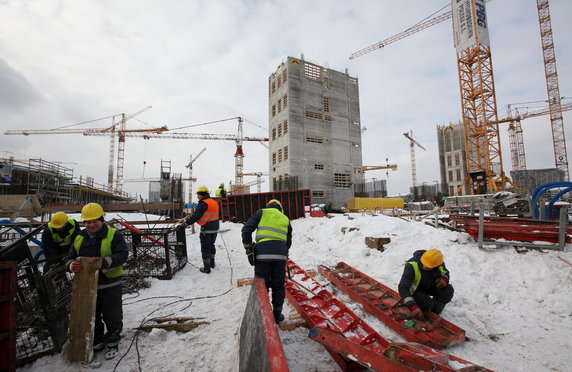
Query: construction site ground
(515,307)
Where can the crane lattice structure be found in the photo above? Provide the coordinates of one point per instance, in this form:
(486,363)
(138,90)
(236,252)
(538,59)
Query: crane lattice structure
(516,140)
(475,66)
(258,179)
(558,138)
(412,143)
(191,179)
(157,133)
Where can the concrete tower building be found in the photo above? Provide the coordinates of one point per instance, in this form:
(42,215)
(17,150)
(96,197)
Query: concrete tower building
(452,158)
(315,131)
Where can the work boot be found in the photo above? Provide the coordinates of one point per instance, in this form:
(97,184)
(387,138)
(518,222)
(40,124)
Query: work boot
(438,307)
(207,267)
(212,262)
(278,317)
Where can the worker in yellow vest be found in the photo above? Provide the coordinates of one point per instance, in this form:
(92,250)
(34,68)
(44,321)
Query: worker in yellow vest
(57,239)
(99,240)
(270,252)
(207,216)
(424,285)
(221,191)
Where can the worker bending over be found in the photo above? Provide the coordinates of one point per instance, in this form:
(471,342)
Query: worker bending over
(425,284)
(57,238)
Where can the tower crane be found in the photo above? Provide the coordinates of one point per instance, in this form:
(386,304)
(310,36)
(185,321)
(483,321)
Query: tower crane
(116,128)
(558,139)
(258,179)
(516,140)
(478,101)
(190,166)
(157,133)
(412,143)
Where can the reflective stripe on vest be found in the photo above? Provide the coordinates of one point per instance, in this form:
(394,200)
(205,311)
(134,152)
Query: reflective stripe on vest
(67,239)
(105,250)
(417,277)
(211,214)
(272,226)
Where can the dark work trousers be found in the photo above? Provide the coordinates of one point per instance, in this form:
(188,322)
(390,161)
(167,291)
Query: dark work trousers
(109,310)
(424,300)
(207,245)
(274,275)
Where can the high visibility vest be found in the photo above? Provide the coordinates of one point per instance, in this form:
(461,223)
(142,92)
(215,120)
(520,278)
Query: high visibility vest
(57,238)
(218,192)
(211,214)
(417,277)
(105,250)
(272,226)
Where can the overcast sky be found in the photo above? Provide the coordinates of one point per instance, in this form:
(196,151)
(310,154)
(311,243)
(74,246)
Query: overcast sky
(65,62)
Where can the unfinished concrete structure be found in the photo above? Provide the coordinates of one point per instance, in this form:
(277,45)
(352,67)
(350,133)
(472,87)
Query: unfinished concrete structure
(452,162)
(315,131)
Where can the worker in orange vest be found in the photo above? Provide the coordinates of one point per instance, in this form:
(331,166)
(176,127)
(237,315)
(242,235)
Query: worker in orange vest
(206,214)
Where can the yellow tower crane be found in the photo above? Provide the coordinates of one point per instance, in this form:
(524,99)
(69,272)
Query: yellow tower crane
(412,143)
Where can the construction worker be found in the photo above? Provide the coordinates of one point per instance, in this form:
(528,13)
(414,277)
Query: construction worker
(99,240)
(425,284)
(221,191)
(206,215)
(270,252)
(57,239)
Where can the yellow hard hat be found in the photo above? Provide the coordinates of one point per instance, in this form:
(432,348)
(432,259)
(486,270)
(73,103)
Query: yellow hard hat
(222,184)
(92,211)
(274,201)
(202,189)
(58,220)
(432,258)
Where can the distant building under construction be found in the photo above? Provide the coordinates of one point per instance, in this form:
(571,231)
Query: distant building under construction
(315,131)
(452,158)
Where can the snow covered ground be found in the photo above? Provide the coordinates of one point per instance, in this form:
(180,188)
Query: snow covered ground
(516,308)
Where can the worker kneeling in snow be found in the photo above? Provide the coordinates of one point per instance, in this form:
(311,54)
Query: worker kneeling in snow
(425,284)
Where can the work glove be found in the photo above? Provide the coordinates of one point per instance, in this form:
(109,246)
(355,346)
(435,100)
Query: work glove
(250,252)
(414,312)
(441,282)
(75,266)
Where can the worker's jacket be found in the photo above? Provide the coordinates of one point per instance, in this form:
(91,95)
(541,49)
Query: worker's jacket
(220,192)
(69,232)
(206,215)
(414,278)
(273,234)
(107,242)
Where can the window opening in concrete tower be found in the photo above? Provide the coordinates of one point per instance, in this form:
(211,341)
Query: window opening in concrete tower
(280,105)
(313,115)
(328,117)
(273,158)
(273,87)
(285,152)
(285,99)
(342,180)
(279,80)
(273,110)
(284,76)
(312,71)
(314,140)
(353,80)
(317,194)
(279,129)
(326,102)
(285,128)
(449,160)
(273,134)
(280,156)
(326,83)
(457,160)
(459,175)
(450,176)
(319,166)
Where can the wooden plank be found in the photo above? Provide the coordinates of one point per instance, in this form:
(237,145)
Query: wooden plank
(178,327)
(82,314)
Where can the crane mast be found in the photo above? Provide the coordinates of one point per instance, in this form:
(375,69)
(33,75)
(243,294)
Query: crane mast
(412,143)
(558,138)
